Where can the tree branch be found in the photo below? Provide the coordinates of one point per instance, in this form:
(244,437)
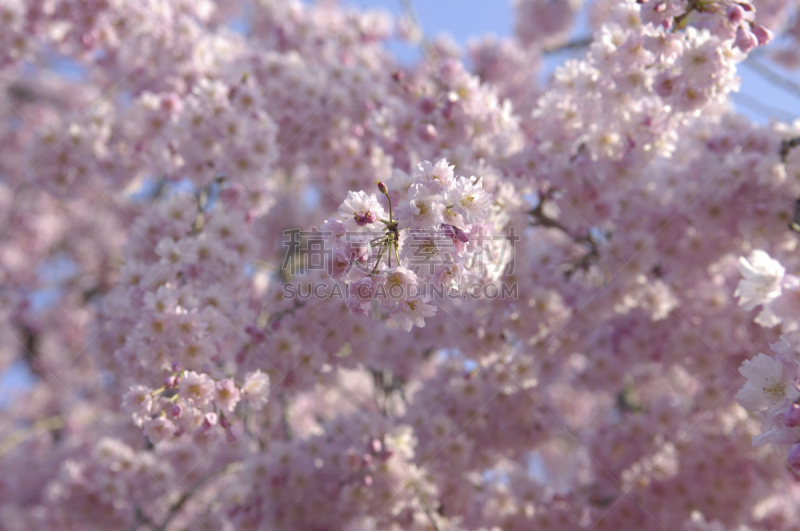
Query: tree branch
(37,428)
(177,506)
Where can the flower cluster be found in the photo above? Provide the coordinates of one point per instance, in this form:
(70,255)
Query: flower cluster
(773,381)
(436,236)
(182,346)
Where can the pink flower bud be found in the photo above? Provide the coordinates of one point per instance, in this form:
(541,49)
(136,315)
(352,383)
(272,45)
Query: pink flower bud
(427,133)
(176,411)
(660,7)
(176,366)
(448,109)
(360,220)
(256,334)
(763,34)
(735,14)
(427,105)
(209,420)
(369,217)
(88,40)
(375,446)
(745,40)
(382,188)
(792,416)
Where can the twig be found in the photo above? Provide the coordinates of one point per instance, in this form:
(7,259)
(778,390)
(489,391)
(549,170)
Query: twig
(581,42)
(37,428)
(787,145)
(177,506)
(287,428)
(592,254)
(426,508)
(541,219)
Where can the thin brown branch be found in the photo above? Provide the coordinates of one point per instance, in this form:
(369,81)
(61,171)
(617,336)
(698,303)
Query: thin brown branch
(177,506)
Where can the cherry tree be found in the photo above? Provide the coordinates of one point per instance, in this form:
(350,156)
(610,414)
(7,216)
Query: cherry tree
(265,276)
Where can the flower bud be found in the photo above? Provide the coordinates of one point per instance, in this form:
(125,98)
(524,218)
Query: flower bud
(176,366)
(375,446)
(209,420)
(360,220)
(792,416)
(176,411)
(763,34)
(735,14)
(256,334)
(745,40)
(369,217)
(382,188)
(427,105)
(427,133)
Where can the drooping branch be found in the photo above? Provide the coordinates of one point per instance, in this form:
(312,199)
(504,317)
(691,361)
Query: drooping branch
(37,428)
(177,506)
(574,44)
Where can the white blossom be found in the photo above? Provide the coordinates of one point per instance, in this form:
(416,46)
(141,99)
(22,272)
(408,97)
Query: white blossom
(768,386)
(762,280)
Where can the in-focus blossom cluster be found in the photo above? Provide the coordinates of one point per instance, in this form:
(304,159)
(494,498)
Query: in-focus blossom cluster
(438,237)
(773,380)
